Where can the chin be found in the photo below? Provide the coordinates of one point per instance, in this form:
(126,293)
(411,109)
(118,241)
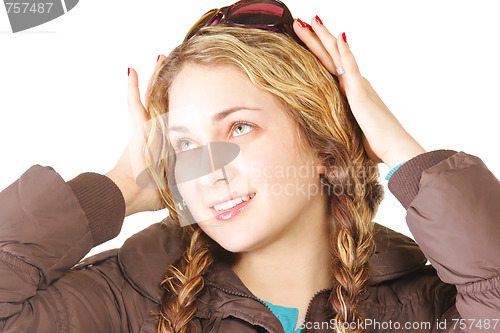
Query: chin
(236,245)
(237,248)
(233,242)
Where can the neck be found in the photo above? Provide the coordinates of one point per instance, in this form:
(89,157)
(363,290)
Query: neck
(291,269)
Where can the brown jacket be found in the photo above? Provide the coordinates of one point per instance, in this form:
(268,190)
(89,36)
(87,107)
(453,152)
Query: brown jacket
(47,226)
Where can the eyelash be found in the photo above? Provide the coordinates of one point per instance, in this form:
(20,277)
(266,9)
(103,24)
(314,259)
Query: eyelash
(178,141)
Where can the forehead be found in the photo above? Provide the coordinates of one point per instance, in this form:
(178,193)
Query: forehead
(201,91)
(200,84)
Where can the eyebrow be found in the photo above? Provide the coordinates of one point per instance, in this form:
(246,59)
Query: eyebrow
(216,117)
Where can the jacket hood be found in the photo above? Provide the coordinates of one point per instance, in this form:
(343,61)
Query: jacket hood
(145,256)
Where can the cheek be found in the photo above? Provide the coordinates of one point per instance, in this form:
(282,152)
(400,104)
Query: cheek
(280,172)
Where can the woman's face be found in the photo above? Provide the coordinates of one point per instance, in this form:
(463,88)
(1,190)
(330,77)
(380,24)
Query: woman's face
(274,184)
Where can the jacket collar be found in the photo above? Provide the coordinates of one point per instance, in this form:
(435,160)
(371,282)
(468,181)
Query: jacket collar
(145,256)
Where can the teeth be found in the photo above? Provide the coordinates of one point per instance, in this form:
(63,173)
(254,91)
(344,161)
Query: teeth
(231,203)
(248,197)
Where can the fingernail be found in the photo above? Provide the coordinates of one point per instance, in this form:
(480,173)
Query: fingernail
(310,28)
(128,71)
(343,37)
(158,58)
(318,19)
(302,24)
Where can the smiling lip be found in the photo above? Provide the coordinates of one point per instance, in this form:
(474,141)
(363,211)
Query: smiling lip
(213,203)
(230,213)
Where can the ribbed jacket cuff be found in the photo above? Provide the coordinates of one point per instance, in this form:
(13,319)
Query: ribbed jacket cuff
(103,204)
(405,182)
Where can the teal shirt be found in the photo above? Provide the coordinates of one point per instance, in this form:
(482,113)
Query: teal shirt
(287,316)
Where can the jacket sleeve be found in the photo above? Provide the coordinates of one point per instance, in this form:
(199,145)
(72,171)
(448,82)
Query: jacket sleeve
(453,211)
(46,227)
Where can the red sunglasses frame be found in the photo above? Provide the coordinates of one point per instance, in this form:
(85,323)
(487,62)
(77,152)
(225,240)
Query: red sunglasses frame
(283,23)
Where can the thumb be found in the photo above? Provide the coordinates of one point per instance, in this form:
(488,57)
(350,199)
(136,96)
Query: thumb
(137,110)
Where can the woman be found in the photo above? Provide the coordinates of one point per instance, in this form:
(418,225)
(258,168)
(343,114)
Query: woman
(296,107)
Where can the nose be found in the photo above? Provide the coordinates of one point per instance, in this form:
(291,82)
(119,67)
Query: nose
(207,163)
(214,179)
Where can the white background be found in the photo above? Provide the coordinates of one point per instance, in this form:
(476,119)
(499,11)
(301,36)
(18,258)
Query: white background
(63,84)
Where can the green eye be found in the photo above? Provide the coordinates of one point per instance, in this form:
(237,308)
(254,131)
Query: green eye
(185,145)
(241,128)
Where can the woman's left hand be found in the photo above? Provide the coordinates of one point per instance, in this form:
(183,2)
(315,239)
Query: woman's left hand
(385,140)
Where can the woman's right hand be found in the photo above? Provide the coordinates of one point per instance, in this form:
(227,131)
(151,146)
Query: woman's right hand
(124,174)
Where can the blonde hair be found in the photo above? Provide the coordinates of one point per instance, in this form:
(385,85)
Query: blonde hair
(277,64)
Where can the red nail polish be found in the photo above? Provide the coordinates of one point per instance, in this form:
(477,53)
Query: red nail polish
(158,58)
(343,37)
(318,19)
(302,24)
(128,71)
(310,28)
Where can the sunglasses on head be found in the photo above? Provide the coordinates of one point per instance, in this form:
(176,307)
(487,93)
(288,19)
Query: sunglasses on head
(271,15)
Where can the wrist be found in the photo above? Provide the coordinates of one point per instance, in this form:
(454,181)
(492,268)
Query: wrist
(403,152)
(128,193)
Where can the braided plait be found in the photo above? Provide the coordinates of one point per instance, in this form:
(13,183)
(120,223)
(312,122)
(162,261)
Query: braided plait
(353,192)
(184,282)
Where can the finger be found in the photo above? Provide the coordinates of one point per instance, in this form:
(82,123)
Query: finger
(348,60)
(328,41)
(313,43)
(137,111)
(159,61)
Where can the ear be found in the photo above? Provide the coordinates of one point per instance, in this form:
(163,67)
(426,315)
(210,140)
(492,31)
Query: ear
(320,168)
